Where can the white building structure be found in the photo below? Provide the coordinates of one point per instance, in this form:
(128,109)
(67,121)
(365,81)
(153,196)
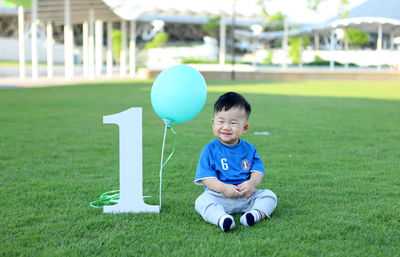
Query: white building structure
(92,14)
(97,15)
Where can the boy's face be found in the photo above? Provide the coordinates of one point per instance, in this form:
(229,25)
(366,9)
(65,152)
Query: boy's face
(229,126)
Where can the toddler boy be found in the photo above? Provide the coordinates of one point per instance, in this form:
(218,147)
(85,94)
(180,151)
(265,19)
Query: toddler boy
(231,169)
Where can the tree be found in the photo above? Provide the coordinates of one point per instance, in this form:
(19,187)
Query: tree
(357,37)
(343,12)
(16,3)
(159,39)
(278,18)
(212,26)
(116,42)
(313,4)
(270,18)
(264,15)
(295,45)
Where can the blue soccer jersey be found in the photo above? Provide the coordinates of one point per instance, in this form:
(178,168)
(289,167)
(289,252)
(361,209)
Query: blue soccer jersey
(230,164)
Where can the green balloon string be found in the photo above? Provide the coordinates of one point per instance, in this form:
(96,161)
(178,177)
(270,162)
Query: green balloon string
(107,198)
(173,149)
(112,197)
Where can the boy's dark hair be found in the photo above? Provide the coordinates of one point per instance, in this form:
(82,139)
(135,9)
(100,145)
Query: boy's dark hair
(232,99)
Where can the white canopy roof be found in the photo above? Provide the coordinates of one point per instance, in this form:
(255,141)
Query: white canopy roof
(370,24)
(130,10)
(182,11)
(367,24)
(53,10)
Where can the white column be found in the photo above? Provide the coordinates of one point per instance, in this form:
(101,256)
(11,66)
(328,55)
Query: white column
(393,62)
(85,50)
(391,41)
(71,49)
(123,50)
(331,62)
(379,41)
(379,45)
(132,49)
(67,40)
(256,29)
(346,48)
(301,50)
(109,50)
(316,41)
(34,41)
(222,39)
(254,49)
(99,46)
(49,33)
(21,42)
(285,43)
(91,44)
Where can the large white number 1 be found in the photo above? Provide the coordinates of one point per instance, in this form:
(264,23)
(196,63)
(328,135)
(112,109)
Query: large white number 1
(130,163)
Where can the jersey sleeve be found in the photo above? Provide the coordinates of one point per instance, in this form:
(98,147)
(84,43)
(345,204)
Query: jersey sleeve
(257,165)
(205,167)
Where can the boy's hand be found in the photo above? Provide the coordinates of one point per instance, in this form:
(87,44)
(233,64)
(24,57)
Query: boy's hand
(232,191)
(246,188)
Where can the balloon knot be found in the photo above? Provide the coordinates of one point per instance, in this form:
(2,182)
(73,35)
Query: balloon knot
(167,123)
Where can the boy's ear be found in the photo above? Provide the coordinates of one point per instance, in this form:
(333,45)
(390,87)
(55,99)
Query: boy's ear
(246,127)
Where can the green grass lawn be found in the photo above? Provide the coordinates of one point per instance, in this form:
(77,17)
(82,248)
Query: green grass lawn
(333,160)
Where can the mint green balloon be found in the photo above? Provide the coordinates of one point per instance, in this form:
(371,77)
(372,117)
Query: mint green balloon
(178,93)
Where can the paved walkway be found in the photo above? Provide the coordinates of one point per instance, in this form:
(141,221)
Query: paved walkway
(16,82)
(9,75)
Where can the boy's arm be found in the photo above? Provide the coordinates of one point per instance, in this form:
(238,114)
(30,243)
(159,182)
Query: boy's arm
(230,191)
(247,187)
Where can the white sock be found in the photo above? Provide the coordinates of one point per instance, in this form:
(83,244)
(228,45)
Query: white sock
(226,222)
(250,218)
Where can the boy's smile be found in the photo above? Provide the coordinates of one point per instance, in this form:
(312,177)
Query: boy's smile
(229,126)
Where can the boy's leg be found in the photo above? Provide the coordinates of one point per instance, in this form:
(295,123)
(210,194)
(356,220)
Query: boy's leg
(265,201)
(212,211)
(263,204)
